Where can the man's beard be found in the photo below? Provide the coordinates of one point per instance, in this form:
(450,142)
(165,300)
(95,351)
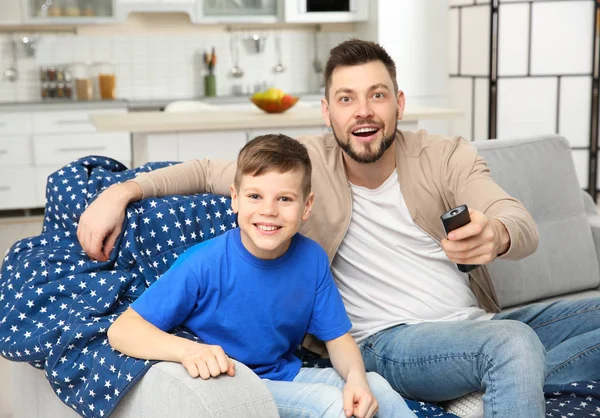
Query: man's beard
(369,156)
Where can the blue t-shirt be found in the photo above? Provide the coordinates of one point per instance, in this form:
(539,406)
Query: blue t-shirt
(257,310)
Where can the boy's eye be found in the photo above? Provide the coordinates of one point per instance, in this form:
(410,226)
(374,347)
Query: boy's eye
(253,196)
(285,199)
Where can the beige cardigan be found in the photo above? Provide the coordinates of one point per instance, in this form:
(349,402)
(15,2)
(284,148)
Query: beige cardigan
(435,174)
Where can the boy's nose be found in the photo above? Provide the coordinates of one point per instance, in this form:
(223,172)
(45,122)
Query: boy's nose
(269,208)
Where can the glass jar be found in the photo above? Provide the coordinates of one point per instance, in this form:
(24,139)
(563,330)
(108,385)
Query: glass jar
(71,8)
(82,73)
(106,80)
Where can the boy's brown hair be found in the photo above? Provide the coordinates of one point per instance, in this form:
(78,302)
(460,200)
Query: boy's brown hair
(274,152)
(355,52)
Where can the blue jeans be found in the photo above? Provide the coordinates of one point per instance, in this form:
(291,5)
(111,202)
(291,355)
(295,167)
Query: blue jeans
(317,393)
(510,357)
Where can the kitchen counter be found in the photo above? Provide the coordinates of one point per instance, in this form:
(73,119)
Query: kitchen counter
(219,119)
(51,105)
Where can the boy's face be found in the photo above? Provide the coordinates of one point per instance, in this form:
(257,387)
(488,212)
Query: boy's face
(270,208)
(363,110)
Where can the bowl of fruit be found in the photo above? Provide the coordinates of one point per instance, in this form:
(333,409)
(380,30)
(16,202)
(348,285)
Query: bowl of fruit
(273,100)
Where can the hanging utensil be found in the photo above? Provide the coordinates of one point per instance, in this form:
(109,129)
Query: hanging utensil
(279,68)
(12,73)
(235,71)
(317,65)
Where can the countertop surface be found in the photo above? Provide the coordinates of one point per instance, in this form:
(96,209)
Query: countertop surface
(134,105)
(244,117)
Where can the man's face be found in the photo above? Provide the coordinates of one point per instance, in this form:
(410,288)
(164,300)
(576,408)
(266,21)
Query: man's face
(363,110)
(270,208)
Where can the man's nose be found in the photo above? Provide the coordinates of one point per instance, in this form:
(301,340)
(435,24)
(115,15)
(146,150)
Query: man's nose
(364,109)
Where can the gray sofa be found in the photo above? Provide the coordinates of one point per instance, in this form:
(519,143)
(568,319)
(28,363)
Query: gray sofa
(538,171)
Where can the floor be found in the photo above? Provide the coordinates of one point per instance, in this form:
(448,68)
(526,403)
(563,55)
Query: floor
(11,230)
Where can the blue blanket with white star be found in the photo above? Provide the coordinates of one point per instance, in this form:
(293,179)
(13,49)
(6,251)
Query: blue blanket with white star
(56,304)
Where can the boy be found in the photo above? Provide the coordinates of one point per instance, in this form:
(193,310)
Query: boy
(253,293)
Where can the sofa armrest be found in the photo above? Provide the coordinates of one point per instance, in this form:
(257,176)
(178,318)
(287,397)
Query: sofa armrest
(167,390)
(588,203)
(593,218)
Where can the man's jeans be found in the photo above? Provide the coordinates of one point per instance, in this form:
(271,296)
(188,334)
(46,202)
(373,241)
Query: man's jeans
(509,357)
(317,393)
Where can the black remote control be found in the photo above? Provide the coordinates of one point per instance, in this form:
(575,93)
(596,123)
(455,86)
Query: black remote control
(453,219)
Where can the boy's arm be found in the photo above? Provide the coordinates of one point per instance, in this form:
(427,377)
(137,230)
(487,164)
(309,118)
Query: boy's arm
(347,361)
(134,336)
(101,223)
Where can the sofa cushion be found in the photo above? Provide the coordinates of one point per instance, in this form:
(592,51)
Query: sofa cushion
(540,173)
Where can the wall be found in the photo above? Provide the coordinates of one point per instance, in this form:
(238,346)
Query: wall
(159,56)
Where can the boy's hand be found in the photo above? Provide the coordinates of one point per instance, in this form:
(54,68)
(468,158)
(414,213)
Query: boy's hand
(358,400)
(207,361)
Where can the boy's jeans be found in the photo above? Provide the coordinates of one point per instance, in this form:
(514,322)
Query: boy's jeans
(317,393)
(509,357)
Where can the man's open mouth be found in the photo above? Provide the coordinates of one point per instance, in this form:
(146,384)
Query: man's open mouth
(365,131)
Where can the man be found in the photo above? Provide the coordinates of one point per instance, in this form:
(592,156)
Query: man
(434,333)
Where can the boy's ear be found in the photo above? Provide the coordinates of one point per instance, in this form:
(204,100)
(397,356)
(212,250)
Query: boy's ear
(234,199)
(308,206)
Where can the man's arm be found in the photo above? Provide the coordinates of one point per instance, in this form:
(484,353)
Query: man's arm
(347,361)
(134,336)
(501,225)
(101,223)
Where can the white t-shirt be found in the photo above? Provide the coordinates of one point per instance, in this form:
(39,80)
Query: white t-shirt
(390,272)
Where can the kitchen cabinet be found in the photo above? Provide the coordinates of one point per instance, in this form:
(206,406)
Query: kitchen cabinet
(124,7)
(325,11)
(237,11)
(68,12)
(35,143)
(182,146)
(12,12)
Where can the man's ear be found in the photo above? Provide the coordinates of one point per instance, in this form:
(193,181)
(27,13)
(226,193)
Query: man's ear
(401,100)
(234,199)
(308,206)
(325,112)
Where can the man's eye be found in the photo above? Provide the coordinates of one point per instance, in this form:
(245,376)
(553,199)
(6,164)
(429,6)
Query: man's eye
(344,99)
(379,95)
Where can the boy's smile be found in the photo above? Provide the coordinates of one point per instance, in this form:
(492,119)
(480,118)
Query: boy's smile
(270,207)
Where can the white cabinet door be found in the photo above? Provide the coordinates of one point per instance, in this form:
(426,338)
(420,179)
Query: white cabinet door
(211,145)
(291,132)
(15,123)
(11,12)
(124,7)
(15,150)
(41,12)
(237,11)
(17,188)
(62,149)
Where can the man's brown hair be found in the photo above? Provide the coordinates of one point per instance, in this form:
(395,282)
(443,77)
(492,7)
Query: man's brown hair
(355,52)
(274,152)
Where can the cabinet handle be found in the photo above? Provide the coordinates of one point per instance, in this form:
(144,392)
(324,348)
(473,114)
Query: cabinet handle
(4,188)
(3,151)
(81,149)
(72,122)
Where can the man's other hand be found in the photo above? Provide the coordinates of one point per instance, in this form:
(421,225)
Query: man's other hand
(101,223)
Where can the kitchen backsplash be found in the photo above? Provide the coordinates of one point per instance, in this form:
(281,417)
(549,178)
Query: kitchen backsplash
(171,66)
